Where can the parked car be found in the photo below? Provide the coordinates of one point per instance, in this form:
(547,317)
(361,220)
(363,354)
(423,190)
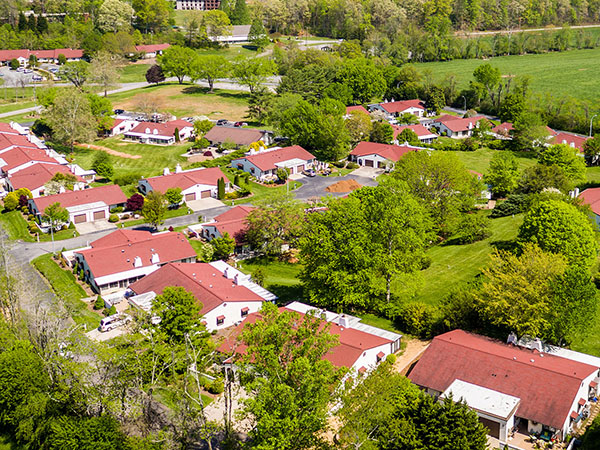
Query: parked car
(221,122)
(310,173)
(119,111)
(114,321)
(36,78)
(27,71)
(240,124)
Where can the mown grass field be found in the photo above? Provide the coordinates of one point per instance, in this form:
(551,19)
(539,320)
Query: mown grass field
(133,72)
(187,100)
(146,160)
(15,226)
(572,72)
(65,286)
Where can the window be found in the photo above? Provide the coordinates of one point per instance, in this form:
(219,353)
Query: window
(220,320)
(245,311)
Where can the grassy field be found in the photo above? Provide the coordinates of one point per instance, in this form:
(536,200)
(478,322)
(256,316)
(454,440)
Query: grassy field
(16,227)
(281,278)
(133,72)
(479,160)
(65,286)
(187,100)
(572,72)
(146,160)
(453,266)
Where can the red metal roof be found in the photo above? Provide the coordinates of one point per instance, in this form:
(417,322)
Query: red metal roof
(349,109)
(352,343)
(591,197)
(570,139)
(9,140)
(5,128)
(266,160)
(208,285)
(119,258)
(456,124)
(189,178)
(122,236)
(7,55)
(574,415)
(419,130)
(18,156)
(504,128)
(36,175)
(581,402)
(111,195)
(234,223)
(403,105)
(151,48)
(547,385)
(391,152)
(162,129)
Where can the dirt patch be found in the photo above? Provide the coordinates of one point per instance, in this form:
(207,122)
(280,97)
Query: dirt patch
(199,158)
(187,101)
(344,186)
(110,151)
(413,351)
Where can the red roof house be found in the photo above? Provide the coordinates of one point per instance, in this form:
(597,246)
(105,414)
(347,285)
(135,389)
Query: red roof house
(264,164)
(194,184)
(232,222)
(152,50)
(227,296)
(570,139)
(349,109)
(356,348)
(426,136)
(114,263)
(547,386)
(18,158)
(373,154)
(415,107)
(85,205)
(37,175)
(456,127)
(591,197)
(160,133)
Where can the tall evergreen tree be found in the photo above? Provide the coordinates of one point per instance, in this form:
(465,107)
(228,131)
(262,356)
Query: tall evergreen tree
(32,22)
(42,24)
(23,24)
(240,14)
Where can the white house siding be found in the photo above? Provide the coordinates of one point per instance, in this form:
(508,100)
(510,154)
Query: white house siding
(232,312)
(89,213)
(368,359)
(375,159)
(445,131)
(197,189)
(584,390)
(124,127)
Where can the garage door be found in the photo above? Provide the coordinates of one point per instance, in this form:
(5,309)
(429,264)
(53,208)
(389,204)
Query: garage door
(493,427)
(369,162)
(99,215)
(190,197)
(80,218)
(300,168)
(205,194)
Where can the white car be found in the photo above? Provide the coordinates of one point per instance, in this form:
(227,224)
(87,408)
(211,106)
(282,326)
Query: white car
(114,321)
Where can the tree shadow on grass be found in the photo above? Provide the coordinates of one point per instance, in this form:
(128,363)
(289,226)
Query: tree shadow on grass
(200,90)
(506,245)
(287,293)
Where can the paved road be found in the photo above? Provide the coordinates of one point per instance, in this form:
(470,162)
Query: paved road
(519,30)
(315,186)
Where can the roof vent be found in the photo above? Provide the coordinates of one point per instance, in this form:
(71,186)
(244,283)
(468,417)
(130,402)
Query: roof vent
(122,250)
(532,360)
(210,285)
(155,258)
(515,358)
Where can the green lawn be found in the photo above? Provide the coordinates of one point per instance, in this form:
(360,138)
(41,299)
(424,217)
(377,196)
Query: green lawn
(149,160)
(65,286)
(572,72)
(169,214)
(479,160)
(453,266)
(15,225)
(281,278)
(16,106)
(133,73)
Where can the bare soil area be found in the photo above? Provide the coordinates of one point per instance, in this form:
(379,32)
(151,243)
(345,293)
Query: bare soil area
(110,151)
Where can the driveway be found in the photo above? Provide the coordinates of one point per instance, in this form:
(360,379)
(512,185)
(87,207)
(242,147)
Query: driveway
(367,172)
(99,336)
(204,204)
(316,186)
(95,226)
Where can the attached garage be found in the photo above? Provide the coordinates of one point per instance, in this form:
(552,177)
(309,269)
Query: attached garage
(368,162)
(190,197)
(81,218)
(300,168)
(493,427)
(99,215)
(205,194)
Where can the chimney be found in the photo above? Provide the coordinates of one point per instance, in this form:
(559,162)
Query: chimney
(62,190)
(178,168)
(155,258)
(137,262)
(226,272)
(343,322)
(236,279)
(166,171)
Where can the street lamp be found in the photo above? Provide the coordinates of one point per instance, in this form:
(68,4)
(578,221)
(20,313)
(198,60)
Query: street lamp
(465,102)
(591,123)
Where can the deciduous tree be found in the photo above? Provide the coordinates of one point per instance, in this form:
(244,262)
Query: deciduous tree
(155,74)
(179,313)
(154,208)
(176,62)
(359,126)
(209,68)
(115,15)
(253,72)
(77,72)
(565,157)
(503,173)
(70,118)
(223,247)
(174,196)
(102,165)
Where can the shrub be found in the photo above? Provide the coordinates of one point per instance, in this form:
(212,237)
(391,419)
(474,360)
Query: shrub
(417,319)
(244,192)
(71,226)
(24,209)
(469,145)
(352,165)
(216,387)
(340,164)
(514,204)
(236,180)
(232,195)
(116,209)
(30,217)
(472,228)
(32,227)
(113,218)
(391,358)
(124,180)
(99,303)
(112,310)
(64,227)
(125,217)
